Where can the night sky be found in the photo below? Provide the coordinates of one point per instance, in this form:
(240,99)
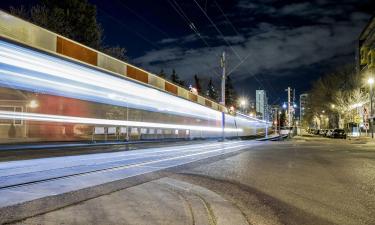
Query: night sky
(280,43)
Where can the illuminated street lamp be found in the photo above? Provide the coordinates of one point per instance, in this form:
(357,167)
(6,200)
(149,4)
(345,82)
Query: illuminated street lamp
(333,106)
(370,81)
(243,103)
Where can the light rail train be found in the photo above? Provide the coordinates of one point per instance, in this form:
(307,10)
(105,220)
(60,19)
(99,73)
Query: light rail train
(63,91)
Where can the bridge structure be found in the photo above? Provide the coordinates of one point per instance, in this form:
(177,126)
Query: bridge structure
(55,89)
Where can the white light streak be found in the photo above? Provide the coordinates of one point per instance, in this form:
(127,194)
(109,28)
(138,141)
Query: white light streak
(29,70)
(105,122)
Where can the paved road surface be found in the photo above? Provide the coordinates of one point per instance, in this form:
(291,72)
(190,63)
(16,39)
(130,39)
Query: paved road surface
(303,181)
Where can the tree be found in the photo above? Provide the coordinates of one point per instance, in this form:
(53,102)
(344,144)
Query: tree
(230,93)
(162,74)
(74,19)
(211,91)
(197,83)
(176,79)
(336,94)
(116,52)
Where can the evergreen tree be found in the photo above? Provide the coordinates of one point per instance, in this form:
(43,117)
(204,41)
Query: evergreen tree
(197,83)
(211,91)
(230,93)
(162,74)
(74,19)
(176,79)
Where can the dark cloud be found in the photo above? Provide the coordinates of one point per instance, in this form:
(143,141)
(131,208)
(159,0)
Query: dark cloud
(271,48)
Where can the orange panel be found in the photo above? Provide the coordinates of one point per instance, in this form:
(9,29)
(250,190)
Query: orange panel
(76,51)
(137,74)
(193,97)
(171,88)
(208,103)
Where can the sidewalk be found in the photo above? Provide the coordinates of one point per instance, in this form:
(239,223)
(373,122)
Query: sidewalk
(362,140)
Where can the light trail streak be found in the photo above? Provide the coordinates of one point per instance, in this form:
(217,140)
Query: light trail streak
(93,121)
(29,70)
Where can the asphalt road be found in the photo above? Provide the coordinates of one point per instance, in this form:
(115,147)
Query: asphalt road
(303,181)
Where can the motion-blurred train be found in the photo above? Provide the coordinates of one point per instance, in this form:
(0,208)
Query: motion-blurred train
(55,89)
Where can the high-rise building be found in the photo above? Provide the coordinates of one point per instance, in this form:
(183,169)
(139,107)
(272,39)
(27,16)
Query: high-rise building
(302,105)
(261,104)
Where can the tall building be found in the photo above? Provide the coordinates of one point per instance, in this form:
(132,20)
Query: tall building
(261,104)
(366,64)
(366,49)
(302,105)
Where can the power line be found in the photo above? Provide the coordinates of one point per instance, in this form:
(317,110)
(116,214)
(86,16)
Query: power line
(191,25)
(223,37)
(236,31)
(226,18)
(143,19)
(130,30)
(217,29)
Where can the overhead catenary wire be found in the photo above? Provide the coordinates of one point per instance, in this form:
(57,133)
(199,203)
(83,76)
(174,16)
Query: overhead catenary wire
(144,19)
(130,30)
(238,33)
(192,26)
(228,44)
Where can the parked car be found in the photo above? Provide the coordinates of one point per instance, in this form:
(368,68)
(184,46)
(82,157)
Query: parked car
(339,133)
(316,132)
(329,133)
(324,133)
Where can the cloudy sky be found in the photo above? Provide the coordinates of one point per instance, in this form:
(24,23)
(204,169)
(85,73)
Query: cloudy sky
(270,44)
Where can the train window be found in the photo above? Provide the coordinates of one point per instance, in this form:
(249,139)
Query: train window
(111,130)
(143,130)
(99,130)
(134,130)
(123,130)
(12,109)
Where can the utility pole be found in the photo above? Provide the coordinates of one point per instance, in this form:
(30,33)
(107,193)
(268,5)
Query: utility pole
(289,106)
(222,63)
(223,77)
(371,116)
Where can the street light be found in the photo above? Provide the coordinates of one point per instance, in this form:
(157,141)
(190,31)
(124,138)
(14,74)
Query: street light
(243,103)
(370,81)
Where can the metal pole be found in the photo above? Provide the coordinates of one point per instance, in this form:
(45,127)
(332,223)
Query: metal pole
(267,125)
(289,111)
(223,79)
(223,125)
(371,116)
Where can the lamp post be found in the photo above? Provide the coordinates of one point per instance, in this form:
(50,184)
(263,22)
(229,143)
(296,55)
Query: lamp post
(370,81)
